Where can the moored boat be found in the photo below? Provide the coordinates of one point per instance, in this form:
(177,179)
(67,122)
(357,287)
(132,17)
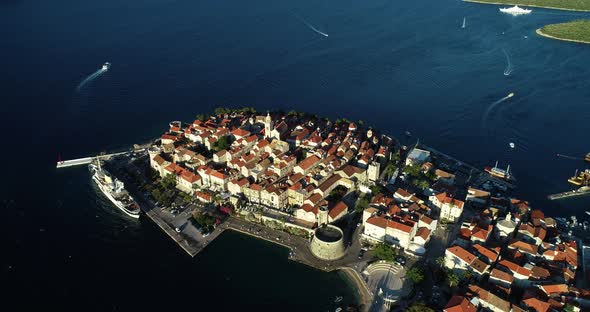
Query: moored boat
(587,158)
(114,190)
(583,178)
(499,173)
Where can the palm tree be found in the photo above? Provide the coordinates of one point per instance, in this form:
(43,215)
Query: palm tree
(452,279)
(440,261)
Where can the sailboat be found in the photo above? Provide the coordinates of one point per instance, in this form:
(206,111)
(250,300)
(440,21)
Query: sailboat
(463,25)
(499,173)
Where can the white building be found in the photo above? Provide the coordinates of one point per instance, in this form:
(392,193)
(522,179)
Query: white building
(450,208)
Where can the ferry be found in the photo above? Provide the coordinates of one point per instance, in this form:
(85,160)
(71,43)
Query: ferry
(499,173)
(106,66)
(515,10)
(580,179)
(114,190)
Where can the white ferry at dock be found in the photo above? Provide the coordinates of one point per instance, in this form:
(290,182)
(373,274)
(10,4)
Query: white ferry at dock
(114,190)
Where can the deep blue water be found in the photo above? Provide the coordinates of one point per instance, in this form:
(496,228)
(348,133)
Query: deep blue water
(397,66)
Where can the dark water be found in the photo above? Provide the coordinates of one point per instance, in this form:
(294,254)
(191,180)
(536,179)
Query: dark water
(398,66)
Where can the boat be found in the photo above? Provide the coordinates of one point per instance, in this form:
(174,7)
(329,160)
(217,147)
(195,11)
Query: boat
(587,158)
(583,178)
(408,133)
(463,25)
(512,145)
(338,299)
(499,173)
(511,94)
(587,212)
(106,66)
(114,190)
(515,10)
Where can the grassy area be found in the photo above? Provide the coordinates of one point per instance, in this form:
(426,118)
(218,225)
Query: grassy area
(576,5)
(576,30)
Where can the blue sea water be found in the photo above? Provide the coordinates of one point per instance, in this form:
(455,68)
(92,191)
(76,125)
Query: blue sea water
(396,65)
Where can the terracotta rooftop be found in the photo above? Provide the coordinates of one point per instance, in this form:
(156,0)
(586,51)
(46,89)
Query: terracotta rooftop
(462,254)
(459,304)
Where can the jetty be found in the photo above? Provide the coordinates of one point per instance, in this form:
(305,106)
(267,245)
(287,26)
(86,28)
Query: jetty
(584,190)
(88,160)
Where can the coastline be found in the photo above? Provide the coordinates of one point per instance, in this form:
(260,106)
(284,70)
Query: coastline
(527,5)
(364,295)
(540,32)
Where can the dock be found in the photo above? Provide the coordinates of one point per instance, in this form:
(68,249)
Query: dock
(88,160)
(483,177)
(584,190)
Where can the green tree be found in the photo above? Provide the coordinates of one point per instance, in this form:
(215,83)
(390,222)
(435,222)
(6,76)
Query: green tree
(453,279)
(200,117)
(416,275)
(440,261)
(385,252)
(168,182)
(221,144)
(361,204)
(419,307)
(569,308)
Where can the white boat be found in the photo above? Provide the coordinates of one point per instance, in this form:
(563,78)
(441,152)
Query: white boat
(106,66)
(338,299)
(587,212)
(463,25)
(114,190)
(512,145)
(511,94)
(515,10)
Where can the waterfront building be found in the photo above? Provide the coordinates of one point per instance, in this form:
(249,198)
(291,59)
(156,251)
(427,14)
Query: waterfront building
(417,157)
(477,197)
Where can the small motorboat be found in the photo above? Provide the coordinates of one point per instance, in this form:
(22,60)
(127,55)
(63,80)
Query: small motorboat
(515,10)
(587,212)
(408,133)
(511,94)
(338,299)
(512,145)
(106,66)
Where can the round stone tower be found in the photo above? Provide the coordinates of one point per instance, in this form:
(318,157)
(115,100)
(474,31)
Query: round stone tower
(327,243)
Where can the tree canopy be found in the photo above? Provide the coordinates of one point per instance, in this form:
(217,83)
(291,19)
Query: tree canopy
(419,307)
(385,252)
(416,275)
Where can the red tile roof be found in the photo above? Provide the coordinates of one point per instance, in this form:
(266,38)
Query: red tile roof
(462,254)
(459,304)
(337,209)
(309,162)
(501,275)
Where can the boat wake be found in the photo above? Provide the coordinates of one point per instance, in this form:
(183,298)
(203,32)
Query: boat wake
(310,26)
(508,69)
(569,157)
(486,114)
(88,79)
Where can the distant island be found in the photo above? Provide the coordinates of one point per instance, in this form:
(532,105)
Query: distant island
(575,31)
(571,5)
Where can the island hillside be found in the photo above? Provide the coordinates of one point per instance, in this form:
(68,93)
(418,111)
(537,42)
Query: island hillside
(576,31)
(572,5)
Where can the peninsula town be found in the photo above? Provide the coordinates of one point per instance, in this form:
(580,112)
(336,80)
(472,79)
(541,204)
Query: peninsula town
(414,229)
